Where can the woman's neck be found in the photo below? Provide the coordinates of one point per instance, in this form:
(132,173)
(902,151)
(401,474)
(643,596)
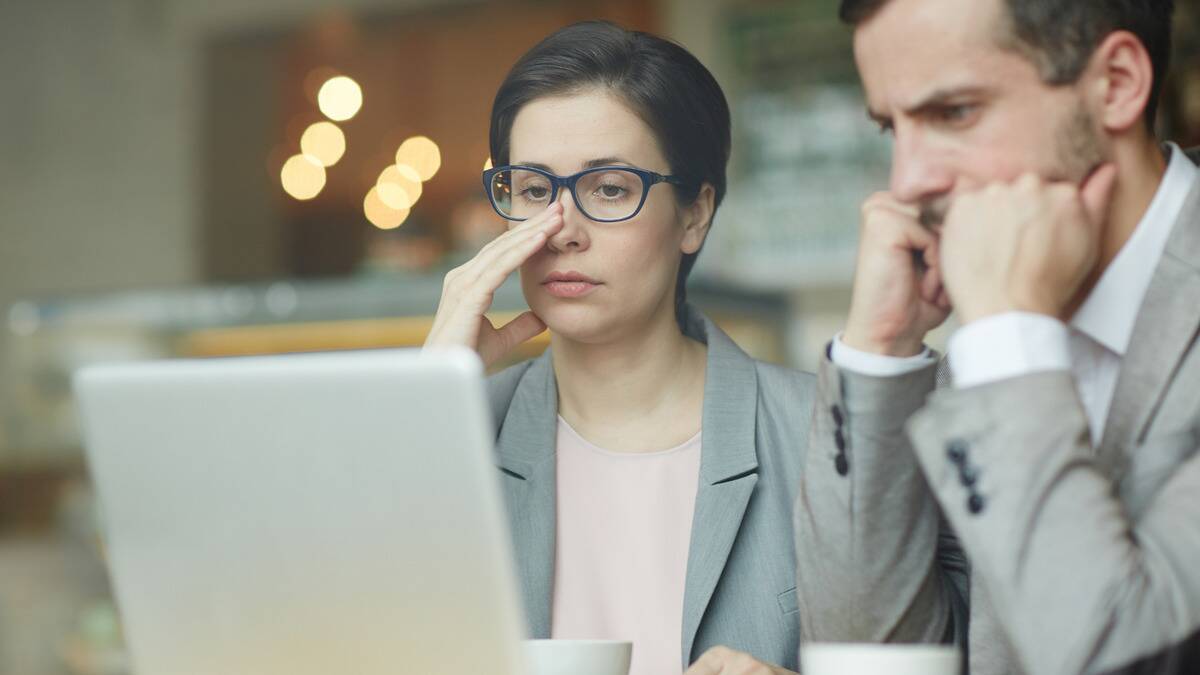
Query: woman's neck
(641,392)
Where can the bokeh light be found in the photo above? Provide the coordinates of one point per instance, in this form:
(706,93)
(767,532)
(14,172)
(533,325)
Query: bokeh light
(339,98)
(302,176)
(399,186)
(380,214)
(422,154)
(325,141)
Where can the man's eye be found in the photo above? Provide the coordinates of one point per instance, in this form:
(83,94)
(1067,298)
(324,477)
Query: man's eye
(955,113)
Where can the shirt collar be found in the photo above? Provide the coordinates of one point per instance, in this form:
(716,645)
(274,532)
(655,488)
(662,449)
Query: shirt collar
(1110,310)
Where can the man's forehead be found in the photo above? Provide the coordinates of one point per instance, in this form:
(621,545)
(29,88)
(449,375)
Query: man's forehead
(913,51)
(972,21)
(928,32)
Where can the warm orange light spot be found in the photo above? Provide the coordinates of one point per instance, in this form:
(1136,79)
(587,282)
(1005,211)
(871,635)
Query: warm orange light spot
(340,98)
(399,186)
(422,154)
(325,141)
(380,214)
(302,176)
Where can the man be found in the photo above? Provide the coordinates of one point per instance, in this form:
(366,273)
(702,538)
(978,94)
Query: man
(1029,194)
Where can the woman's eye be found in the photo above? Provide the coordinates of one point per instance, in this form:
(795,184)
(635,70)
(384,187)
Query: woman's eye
(611,191)
(536,192)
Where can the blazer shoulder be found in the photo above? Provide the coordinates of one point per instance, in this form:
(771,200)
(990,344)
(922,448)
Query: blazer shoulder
(785,399)
(785,404)
(501,387)
(785,386)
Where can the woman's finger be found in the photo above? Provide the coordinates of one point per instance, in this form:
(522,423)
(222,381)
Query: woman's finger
(488,258)
(507,260)
(521,329)
(539,221)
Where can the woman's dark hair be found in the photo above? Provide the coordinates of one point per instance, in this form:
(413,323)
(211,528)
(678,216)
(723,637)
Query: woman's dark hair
(660,81)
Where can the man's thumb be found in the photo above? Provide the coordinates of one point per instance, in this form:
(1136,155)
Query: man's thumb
(1097,191)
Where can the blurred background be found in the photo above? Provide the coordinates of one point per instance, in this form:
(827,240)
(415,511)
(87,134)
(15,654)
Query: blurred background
(184,178)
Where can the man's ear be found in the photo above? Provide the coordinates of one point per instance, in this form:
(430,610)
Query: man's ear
(1120,79)
(697,218)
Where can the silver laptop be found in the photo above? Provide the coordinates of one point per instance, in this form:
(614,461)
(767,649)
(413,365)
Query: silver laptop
(308,514)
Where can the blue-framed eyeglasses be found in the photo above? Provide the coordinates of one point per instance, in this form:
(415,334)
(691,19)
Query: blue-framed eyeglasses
(606,194)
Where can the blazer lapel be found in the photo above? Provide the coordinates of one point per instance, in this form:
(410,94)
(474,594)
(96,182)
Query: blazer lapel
(525,452)
(1165,329)
(728,469)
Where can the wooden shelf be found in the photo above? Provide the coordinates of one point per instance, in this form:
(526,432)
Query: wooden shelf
(327,336)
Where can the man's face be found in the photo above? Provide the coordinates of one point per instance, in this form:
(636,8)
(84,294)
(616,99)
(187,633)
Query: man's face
(964,110)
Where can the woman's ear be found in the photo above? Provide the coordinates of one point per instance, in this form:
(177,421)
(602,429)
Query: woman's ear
(697,217)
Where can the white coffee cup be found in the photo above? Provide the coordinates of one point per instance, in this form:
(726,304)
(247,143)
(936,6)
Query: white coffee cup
(824,658)
(578,657)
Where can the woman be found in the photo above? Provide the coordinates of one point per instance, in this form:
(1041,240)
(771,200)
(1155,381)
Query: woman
(648,463)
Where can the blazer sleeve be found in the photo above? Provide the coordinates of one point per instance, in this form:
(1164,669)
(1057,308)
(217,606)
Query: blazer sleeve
(1081,580)
(875,560)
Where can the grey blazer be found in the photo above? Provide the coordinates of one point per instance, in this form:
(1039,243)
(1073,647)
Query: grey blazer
(1083,560)
(740,584)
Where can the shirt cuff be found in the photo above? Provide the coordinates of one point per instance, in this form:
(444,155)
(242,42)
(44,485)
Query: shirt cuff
(1007,345)
(877,365)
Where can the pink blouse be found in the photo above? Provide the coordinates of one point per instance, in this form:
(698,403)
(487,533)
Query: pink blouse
(624,523)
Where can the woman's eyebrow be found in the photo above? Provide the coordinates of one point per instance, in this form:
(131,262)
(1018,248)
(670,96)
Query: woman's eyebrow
(590,164)
(605,161)
(534,165)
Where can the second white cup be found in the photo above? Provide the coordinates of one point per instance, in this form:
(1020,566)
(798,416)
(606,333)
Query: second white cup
(873,659)
(578,657)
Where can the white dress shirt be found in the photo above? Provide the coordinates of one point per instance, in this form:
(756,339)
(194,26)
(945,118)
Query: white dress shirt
(1091,346)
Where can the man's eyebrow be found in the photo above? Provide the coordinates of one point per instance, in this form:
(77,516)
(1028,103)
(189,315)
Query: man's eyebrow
(942,97)
(935,99)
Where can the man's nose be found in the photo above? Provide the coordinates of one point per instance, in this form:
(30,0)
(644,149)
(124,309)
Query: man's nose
(918,171)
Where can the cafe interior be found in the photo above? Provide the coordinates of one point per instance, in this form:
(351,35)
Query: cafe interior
(234,177)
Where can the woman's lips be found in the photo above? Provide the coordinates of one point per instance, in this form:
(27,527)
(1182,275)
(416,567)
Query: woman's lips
(569,284)
(569,289)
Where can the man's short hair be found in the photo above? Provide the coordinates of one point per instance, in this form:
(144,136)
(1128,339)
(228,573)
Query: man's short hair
(1059,36)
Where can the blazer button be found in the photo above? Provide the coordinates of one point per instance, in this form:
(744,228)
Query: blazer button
(836,411)
(969,475)
(975,503)
(842,466)
(839,439)
(957,451)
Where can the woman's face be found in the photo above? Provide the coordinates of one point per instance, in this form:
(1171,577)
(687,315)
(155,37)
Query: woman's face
(628,268)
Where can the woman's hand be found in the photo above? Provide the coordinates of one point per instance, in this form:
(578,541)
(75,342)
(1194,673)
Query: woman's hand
(469,289)
(726,661)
